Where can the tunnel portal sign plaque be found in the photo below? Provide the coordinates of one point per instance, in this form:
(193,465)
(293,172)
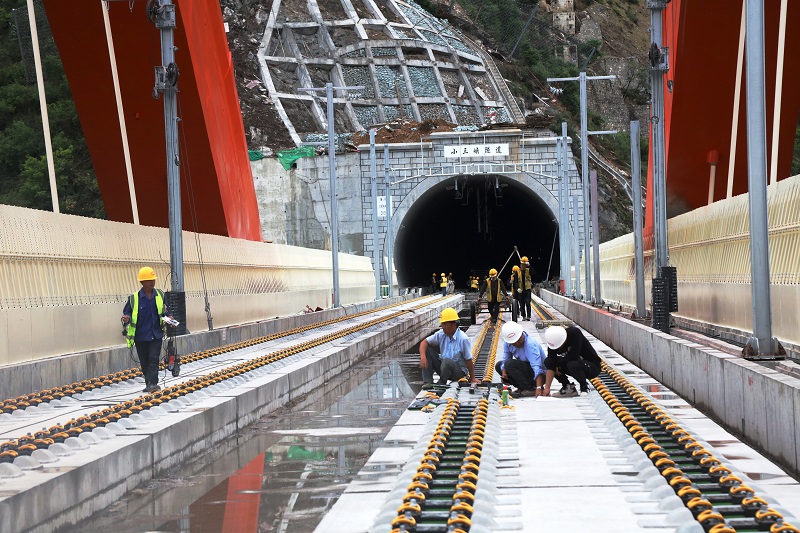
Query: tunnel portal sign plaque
(476,150)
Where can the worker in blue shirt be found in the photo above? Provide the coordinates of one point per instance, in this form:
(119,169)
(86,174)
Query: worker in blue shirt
(448,352)
(523,361)
(143,319)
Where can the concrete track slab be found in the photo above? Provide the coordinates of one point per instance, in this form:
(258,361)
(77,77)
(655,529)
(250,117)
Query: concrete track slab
(570,470)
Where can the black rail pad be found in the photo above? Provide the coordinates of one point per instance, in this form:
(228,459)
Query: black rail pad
(541,324)
(419,403)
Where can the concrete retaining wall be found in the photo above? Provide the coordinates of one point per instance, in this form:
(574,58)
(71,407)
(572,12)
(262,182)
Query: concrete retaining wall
(80,485)
(760,405)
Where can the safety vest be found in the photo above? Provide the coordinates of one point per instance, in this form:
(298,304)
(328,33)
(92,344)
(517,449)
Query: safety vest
(443,283)
(133,300)
(474,283)
(494,295)
(527,283)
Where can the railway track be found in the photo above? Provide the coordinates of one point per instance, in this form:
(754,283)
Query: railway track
(48,441)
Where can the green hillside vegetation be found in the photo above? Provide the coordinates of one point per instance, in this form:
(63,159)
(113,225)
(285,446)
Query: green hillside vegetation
(24,179)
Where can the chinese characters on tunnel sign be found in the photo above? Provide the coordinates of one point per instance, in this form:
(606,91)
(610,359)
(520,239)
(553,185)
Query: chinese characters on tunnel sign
(476,150)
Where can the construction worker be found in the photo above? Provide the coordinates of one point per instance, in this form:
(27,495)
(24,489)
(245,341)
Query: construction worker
(474,281)
(448,352)
(451,284)
(434,283)
(524,288)
(496,292)
(523,361)
(443,285)
(516,286)
(569,353)
(144,314)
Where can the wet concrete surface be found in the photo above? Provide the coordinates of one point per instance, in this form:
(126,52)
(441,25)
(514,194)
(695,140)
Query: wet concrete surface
(282,473)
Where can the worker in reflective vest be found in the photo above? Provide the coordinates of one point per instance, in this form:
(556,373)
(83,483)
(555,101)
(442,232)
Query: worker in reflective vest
(443,285)
(143,314)
(524,288)
(495,292)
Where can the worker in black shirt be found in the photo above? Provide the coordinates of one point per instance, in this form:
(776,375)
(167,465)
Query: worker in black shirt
(569,353)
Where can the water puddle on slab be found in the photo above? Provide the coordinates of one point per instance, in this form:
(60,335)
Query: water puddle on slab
(285,471)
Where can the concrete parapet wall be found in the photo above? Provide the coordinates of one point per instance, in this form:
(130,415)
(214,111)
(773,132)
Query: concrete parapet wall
(89,481)
(752,401)
(64,280)
(710,247)
(45,373)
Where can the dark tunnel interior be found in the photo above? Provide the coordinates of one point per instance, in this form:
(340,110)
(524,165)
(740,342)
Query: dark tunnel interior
(470,224)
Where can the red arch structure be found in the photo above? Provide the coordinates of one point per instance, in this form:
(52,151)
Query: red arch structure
(703,41)
(215,168)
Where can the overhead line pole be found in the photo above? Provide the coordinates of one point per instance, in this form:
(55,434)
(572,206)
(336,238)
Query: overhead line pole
(328,90)
(762,342)
(389,243)
(374,181)
(587,230)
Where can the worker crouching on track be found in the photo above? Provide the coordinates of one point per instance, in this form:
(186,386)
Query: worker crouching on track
(523,361)
(496,292)
(569,353)
(143,313)
(448,352)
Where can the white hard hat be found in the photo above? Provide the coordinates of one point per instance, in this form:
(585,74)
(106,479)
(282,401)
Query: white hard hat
(555,336)
(511,332)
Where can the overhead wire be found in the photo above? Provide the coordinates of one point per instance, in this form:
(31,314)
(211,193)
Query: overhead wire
(193,211)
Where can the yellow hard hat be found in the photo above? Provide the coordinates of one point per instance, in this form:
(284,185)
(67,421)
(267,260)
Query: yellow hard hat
(448,315)
(493,272)
(524,259)
(442,273)
(147,273)
(515,268)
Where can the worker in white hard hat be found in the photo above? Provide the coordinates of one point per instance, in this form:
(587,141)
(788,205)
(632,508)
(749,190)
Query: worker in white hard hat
(143,323)
(569,353)
(448,352)
(523,361)
(495,293)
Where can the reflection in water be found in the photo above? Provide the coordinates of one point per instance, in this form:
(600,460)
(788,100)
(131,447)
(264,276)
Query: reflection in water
(282,473)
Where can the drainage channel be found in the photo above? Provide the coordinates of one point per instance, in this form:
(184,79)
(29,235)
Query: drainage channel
(283,472)
(718,499)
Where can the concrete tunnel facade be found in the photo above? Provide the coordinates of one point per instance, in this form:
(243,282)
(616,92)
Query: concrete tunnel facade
(473,227)
(437,204)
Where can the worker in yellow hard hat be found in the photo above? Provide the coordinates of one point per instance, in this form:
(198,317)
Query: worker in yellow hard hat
(143,322)
(515,285)
(443,284)
(495,293)
(524,289)
(448,352)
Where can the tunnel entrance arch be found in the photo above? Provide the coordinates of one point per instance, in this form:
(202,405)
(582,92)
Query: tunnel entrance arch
(467,224)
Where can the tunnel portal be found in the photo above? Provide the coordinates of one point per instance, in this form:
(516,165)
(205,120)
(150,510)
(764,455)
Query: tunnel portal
(470,224)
